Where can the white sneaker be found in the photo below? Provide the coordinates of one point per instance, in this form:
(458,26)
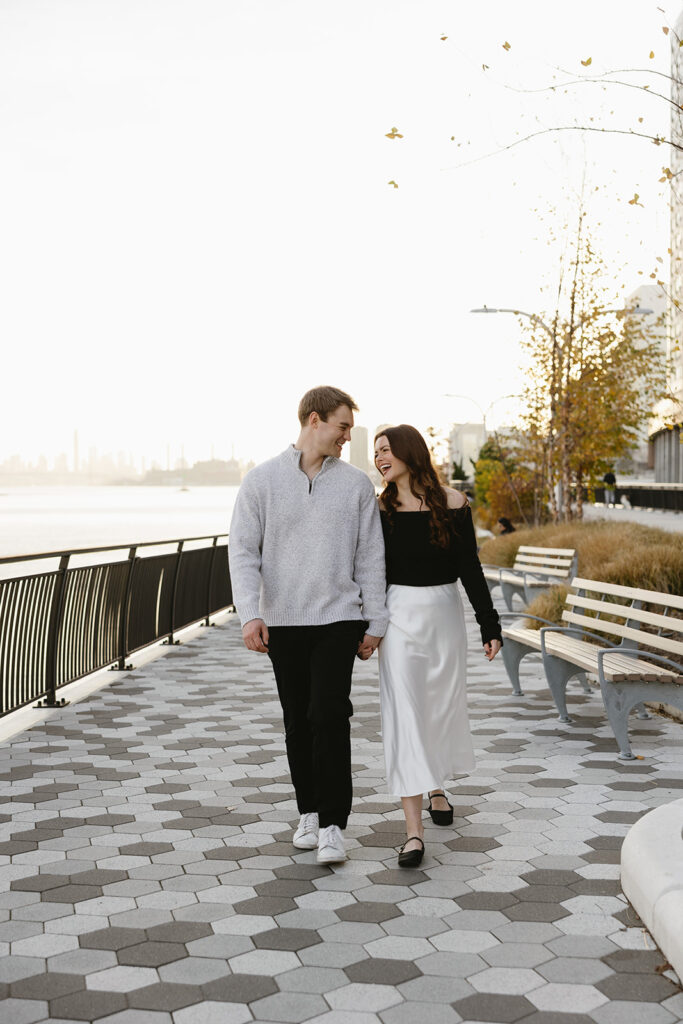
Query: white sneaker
(331,845)
(306,835)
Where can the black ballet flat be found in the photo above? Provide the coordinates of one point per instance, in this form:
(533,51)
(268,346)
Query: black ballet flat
(440,817)
(412,858)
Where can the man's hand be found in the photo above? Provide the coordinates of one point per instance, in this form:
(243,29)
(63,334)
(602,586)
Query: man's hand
(367,646)
(255,635)
(491,649)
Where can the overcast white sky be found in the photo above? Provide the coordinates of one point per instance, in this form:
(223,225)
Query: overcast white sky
(196,223)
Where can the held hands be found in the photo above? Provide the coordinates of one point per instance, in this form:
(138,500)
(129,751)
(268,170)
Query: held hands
(255,635)
(367,646)
(491,649)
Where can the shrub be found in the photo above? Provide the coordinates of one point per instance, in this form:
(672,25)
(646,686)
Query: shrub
(548,605)
(624,553)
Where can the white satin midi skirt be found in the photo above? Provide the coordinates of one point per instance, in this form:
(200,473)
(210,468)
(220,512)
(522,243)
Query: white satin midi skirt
(422,678)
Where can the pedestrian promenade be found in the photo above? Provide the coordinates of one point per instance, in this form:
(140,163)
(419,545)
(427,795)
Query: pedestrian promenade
(148,875)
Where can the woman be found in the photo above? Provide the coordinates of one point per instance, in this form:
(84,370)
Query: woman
(430,544)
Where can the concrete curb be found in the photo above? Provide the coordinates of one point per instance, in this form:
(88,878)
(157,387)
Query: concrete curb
(652,877)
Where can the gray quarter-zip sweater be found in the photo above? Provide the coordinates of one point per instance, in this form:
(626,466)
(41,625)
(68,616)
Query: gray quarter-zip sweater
(307,552)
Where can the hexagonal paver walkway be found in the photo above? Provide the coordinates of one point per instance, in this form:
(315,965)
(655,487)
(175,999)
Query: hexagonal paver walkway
(148,875)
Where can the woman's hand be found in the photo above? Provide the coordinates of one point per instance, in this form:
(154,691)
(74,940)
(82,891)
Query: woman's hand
(491,649)
(367,646)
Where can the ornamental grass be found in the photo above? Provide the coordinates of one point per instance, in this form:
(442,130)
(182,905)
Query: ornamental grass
(627,554)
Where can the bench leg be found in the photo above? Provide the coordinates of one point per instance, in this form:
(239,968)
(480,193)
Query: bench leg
(513,652)
(509,590)
(619,701)
(558,673)
(621,698)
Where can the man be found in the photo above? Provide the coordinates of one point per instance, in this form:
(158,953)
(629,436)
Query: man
(610,482)
(307,570)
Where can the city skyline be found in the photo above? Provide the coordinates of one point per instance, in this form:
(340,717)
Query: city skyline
(196,236)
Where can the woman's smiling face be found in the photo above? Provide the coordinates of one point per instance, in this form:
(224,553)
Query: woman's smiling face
(388,465)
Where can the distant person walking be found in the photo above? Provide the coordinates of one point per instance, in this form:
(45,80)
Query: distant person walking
(505,525)
(610,482)
(308,578)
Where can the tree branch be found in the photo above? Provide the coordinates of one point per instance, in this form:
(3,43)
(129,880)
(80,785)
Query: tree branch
(601,80)
(656,139)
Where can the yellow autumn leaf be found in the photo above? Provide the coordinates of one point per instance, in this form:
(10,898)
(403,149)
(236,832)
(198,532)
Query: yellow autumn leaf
(640,120)
(634,201)
(652,53)
(587,62)
(665,30)
(392,182)
(443,38)
(659,259)
(393,134)
(506,45)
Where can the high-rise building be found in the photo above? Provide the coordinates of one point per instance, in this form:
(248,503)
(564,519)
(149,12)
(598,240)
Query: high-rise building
(648,296)
(667,434)
(464,444)
(358,456)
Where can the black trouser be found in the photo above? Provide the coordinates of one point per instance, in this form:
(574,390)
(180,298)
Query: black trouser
(313,667)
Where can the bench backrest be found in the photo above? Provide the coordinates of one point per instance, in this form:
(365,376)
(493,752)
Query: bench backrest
(626,615)
(560,563)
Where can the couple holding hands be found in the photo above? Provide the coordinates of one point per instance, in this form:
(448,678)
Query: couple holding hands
(322,571)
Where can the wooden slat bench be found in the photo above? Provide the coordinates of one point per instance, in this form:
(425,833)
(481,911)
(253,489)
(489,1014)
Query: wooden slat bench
(627,675)
(535,570)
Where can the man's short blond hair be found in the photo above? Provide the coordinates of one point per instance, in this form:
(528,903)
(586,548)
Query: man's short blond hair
(323,400)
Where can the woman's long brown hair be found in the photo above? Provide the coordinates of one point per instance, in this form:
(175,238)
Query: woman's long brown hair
(408,445)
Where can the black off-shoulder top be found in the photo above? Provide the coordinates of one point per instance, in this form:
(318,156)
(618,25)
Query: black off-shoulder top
(414,561)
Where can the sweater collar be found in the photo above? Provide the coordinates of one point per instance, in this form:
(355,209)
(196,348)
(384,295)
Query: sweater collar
(293,455)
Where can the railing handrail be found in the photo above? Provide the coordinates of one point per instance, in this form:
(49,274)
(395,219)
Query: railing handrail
(107,547)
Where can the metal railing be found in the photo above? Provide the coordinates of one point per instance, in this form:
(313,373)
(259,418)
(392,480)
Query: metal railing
(60,625)
(668,497)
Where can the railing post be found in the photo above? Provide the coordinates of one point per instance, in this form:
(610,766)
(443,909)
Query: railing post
(56,615)
(125,610)
(210,582)
(169,639)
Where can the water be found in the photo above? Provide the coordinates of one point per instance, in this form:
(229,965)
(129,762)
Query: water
(40,519)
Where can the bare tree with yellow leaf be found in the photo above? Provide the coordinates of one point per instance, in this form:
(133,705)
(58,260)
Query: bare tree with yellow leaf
(594,374)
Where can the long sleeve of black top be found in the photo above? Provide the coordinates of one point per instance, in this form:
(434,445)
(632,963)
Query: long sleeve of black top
(472,577)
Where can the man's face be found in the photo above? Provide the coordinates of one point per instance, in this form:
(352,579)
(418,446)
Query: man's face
(332,435)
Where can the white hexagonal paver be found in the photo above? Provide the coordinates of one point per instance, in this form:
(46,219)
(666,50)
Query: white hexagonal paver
(399,947)
(464,942)
(264,961)
(45,945)
(567,998)
(372,998)
(515,981)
